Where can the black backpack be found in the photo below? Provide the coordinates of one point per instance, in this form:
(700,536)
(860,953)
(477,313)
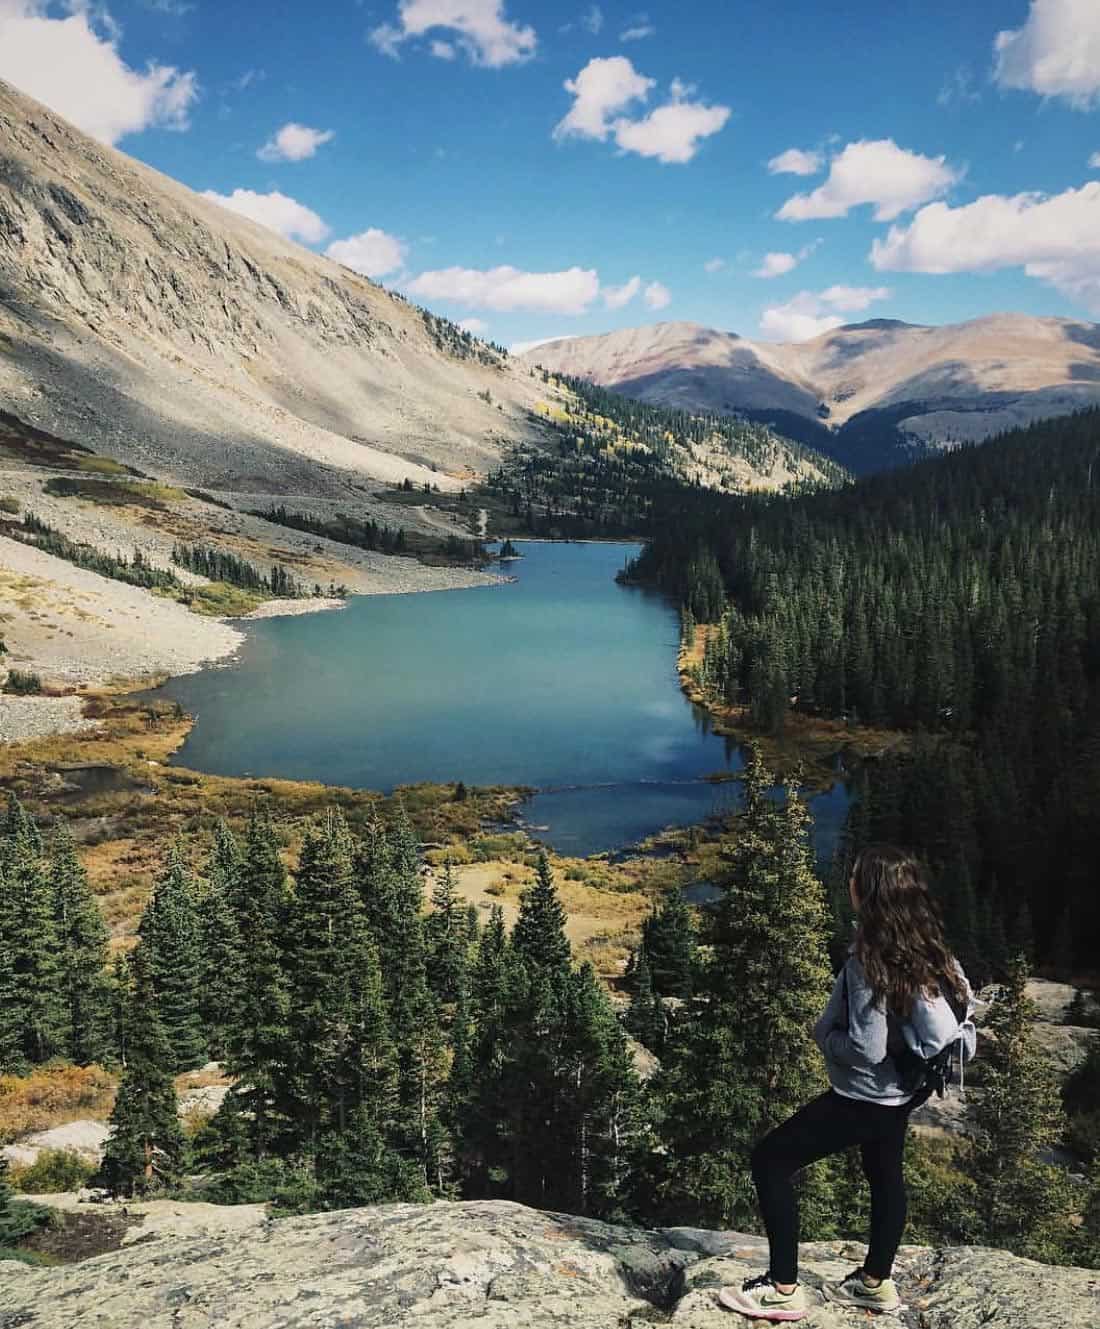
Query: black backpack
(925,1076)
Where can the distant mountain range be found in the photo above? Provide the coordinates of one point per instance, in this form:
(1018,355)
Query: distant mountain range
(869,394)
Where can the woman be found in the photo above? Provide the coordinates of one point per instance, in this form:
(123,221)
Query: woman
(896,992)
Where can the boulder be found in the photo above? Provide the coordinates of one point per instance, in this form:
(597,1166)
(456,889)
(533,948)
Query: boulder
(490,1265)
(85,1138)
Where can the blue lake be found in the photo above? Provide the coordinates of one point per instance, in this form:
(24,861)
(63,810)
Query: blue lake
(563,680)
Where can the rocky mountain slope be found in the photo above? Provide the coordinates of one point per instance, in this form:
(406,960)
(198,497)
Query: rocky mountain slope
(146,322)
(870,393)
(491,1264)
(140,319)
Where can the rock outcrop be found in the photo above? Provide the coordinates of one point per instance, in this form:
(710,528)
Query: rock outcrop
(490,1265)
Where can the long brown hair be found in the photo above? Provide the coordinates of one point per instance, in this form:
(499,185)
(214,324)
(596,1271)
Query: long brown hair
(899,940)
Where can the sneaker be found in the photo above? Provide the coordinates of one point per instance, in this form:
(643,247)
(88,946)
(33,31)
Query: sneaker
(760,1299)
(853,1291)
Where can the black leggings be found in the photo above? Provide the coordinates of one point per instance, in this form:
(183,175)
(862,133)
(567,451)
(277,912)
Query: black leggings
(826,1126)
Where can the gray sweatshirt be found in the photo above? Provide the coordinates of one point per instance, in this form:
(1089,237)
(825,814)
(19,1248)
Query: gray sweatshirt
(857,1037)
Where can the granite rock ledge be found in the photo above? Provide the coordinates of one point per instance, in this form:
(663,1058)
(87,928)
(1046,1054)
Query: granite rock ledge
(490,1265)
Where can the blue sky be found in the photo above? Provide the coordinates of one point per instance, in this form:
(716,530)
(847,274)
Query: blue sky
(559,169)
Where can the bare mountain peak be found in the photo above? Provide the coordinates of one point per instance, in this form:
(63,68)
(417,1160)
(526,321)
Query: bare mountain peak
(896,385)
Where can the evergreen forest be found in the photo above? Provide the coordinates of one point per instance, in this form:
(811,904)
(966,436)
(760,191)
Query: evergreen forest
(382,1047)
(955,604)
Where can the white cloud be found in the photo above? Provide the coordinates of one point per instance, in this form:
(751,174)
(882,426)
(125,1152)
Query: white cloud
(958,89)
(671,133)
(374,253)
(507,289)
(443,50)
(480,29)
(1056,53)
(275,211)
(605,87)
(713,265)
(72,63)
(853,298)
(592,20)
(778,264)
(638,32)
(476,327)
(1055,239)
(810,313)
(602,88)
(1094,161)
(657,295)
(245,80)
(877,172)
(616,297)
(294,143)
(796,162)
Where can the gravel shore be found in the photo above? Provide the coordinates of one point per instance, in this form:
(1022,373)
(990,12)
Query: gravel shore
(23,718)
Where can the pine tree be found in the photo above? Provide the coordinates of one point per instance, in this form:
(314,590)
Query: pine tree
(223,869)
(119,986)
(30,937)
(221,967)
(256,1040)
(11,1031)
(82,937)
(387,871)
(539,936)
(743,1058)
(1023,1203)
(145,1149)
(601,1110)
(169,929)
(670,947)
(482,1142)
(328,956)
(446,938)
(460,1078)
(20,827)
(645,1017)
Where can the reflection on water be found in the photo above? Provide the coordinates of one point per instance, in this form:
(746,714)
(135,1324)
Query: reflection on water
(562,681)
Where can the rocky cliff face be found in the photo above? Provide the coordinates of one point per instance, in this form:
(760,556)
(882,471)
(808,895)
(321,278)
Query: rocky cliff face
(142,320)
(490,1264)
(862,393)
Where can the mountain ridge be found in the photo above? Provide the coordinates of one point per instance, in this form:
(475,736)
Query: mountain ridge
(869,394)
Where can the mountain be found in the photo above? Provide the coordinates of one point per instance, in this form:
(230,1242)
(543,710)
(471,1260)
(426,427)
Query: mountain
(488,1263)
(869,394)
(144,321)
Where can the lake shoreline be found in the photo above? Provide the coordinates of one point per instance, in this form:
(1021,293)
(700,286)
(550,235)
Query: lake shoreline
(103,635)
(811,744)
